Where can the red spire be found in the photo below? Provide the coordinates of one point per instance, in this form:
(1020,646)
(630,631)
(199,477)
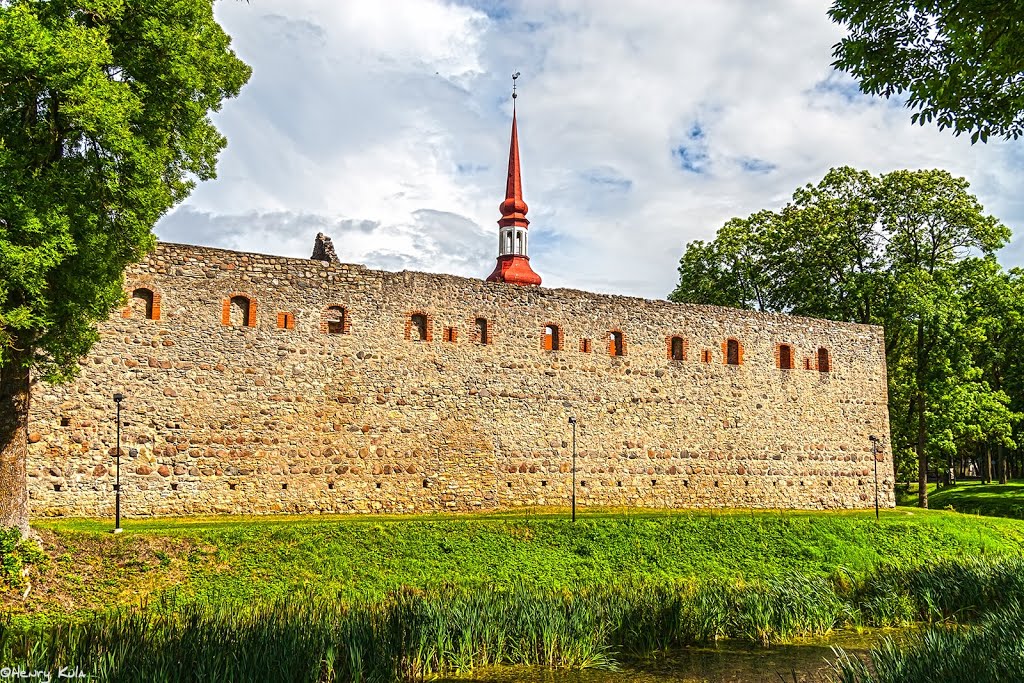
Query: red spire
(513,262)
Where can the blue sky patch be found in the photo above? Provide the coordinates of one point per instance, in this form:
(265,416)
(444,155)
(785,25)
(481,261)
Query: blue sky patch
(607,178)
(754,165)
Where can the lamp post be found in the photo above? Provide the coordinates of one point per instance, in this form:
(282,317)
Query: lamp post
(874,456)
(118,397)
(572,421)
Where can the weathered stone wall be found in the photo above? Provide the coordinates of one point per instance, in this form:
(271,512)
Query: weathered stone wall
(219,418)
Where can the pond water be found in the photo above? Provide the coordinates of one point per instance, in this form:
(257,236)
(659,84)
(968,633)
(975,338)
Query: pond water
(728,662)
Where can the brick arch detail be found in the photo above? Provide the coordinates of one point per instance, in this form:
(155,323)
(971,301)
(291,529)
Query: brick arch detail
(792,356)
(225,313)
(725,351)
(408,325)
(157,298)
(828,359)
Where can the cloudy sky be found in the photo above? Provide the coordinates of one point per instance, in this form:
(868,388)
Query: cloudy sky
(642,125)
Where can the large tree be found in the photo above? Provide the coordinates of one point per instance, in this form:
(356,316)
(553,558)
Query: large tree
(104,126)
(961,62)
(906,250)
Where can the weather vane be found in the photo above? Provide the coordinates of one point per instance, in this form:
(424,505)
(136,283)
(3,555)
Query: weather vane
(514,77)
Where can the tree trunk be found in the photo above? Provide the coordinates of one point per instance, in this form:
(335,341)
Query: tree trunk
(1002,464)
(922,424)
(14,401)
(988,464)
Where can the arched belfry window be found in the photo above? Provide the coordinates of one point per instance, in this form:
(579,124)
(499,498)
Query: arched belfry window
(824,360)
(239,311)
(552,338)
(142,303)
(732,352)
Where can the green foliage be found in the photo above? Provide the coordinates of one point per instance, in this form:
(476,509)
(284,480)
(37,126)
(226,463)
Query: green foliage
(104,125)
(17,555)
(411,634)
(975,498)
(960,62)
(991,652)
(912,251)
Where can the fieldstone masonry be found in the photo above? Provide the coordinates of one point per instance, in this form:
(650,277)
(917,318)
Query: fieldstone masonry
(247,393)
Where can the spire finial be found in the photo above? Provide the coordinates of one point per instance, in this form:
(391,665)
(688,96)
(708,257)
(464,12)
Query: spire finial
(514,95)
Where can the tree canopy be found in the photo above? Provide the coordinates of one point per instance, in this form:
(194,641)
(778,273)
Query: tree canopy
(104,126)
(961,62)
(912,251)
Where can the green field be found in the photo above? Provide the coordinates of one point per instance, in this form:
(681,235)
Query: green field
(975,498)
(228,558)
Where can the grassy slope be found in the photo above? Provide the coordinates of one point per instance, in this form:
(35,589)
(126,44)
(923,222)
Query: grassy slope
(998,500)
(243,557)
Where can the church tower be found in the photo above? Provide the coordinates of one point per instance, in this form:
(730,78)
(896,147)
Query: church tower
(513,257)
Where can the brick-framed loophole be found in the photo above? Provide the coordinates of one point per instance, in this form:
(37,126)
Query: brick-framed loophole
(285,320)
(616,342)
(239,310)
(586,345)
(450,334)
(480,330)
(551,337)
(676,347)
(144,303)
(335,319)
(419,326)
(732,351)
(785,356)
(824,360)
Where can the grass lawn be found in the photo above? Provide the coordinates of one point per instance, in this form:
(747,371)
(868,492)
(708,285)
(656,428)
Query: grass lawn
(245,557)
(975,498)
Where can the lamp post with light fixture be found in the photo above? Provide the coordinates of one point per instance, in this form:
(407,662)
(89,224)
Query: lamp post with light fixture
(118,397)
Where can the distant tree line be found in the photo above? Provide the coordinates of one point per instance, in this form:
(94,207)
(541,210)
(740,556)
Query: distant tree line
(912,251)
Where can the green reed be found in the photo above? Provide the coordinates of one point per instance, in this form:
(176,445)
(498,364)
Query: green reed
(412,634)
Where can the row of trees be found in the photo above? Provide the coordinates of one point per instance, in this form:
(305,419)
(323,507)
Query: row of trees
(912,251)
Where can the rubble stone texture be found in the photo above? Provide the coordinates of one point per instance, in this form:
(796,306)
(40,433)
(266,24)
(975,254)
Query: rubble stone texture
(269,384)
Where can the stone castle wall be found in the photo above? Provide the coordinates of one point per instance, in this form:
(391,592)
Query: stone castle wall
(286,416)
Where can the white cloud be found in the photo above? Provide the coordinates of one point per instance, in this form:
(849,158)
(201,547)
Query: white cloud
(386,124)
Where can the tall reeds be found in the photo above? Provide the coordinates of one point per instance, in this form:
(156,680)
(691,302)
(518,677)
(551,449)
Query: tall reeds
(412,634)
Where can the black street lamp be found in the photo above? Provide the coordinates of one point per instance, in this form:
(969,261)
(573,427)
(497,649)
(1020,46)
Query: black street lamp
(874,456)
(572,421)
(118,397)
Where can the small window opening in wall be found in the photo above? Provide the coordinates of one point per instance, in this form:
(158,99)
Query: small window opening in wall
(552,338)
(544,482)
(419,327)
(509,484)
(654,482)
(174,487)
(239,314)
(426,483)
(824,362)
(677,348)
(716,484)
(284,487)
(378,484)
(785,357)
(585,346)
(142,303)
(616,345)
(56,487)
(482,335)
(807,363)
(336,319)
(583,483)
(618,483)
(686,484)
(65,422)
(330,485)
(705,356)
(449,334)
(285,321)
(732,352)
